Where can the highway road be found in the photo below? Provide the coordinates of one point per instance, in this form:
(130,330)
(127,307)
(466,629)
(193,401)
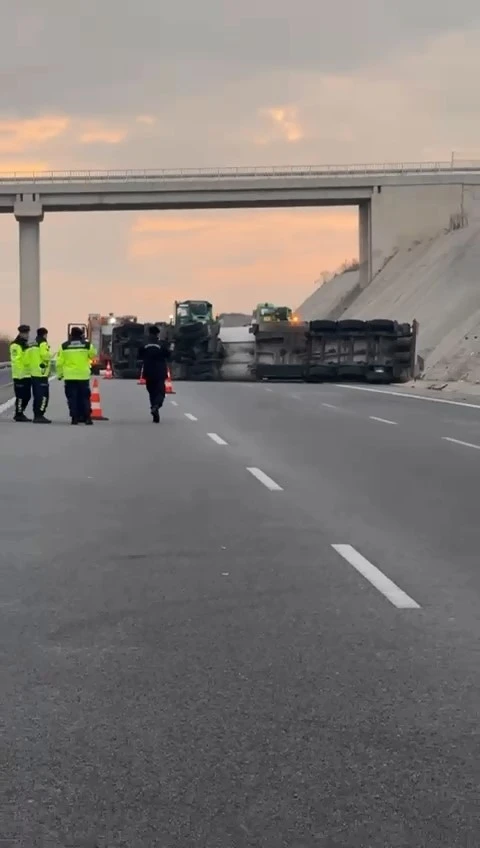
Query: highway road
(5,375)
(256,625)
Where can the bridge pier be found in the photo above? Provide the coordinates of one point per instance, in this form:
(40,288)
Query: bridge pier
(29,214)
(365,243)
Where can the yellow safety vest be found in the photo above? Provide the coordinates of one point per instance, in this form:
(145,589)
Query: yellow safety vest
(74,360)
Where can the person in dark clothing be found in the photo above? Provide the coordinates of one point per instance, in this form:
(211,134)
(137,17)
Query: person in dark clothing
(155,355)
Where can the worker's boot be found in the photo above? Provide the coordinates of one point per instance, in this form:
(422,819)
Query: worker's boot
(20,417)
(74,421)
(41,419)
(88,422)
(155,415)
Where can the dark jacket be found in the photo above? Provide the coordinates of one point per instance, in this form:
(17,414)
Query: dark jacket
(155,356)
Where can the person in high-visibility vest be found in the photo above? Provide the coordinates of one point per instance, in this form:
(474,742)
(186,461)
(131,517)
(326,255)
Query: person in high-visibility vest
(22,383)
(40,359)
(74,366)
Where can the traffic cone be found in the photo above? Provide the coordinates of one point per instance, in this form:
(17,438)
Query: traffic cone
(96,406)
(169,390)
(141,381)
(108,372)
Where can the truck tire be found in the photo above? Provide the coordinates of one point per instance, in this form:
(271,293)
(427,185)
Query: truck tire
(402,357)
(351,325)
(381,325)
(404,343)
(321,326)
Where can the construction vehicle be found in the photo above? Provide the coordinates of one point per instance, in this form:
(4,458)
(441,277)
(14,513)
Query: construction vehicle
(197,350)
(280,343)
(127,339)
(377,351)
(268,313)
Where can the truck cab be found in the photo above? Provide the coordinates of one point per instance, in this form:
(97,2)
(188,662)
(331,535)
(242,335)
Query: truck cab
(193,312)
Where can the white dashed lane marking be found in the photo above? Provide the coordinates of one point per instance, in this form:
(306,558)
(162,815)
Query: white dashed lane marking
(265,479)
(382,420)
(217,439)
(377,578)
(190,416)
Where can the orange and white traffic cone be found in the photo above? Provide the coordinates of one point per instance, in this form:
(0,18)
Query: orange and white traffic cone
(142,381)
(169,390)
(108,372)
(96,406)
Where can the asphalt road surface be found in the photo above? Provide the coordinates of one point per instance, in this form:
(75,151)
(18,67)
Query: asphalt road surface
(256,625)
(5,377)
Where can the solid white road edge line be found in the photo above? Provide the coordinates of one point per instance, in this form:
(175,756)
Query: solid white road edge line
(382,420)
(9,403)
(265,479)
(217,439)
(390,590)
(190,416)
(408,395)
(458,442)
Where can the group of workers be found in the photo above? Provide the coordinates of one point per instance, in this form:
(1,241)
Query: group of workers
(31,364)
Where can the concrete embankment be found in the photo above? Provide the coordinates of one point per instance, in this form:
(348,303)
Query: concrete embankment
(436,281)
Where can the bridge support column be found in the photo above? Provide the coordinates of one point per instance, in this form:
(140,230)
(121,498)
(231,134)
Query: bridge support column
(365,242)
(29,214)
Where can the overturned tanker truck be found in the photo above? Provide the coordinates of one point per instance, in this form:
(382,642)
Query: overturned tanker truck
(377,351)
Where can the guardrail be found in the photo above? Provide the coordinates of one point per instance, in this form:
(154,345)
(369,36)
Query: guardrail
(385,168)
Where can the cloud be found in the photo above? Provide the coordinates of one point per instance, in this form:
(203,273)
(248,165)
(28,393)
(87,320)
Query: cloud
(256,247)
(22,135)
(23,166)
(148,120)
(168,226)
(102,135)
(285,120)
(163,53)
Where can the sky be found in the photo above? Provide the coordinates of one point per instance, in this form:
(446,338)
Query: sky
(111,85)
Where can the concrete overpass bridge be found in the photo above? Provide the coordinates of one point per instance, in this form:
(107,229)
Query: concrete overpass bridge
(397,203)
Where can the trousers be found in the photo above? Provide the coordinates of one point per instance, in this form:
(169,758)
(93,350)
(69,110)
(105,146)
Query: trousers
(41,395)
(78,393)
(156,392)
(23,393)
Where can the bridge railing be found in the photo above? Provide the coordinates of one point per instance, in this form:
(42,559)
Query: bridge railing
(383,168)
